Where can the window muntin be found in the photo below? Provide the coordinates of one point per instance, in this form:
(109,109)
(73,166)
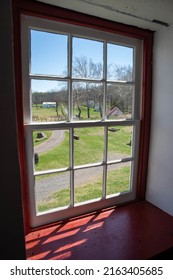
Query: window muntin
(81,92)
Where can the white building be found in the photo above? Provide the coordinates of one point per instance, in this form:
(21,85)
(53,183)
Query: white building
(49,104)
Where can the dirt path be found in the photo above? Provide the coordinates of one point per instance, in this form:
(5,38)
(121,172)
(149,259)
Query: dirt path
(54,140)
(44,188)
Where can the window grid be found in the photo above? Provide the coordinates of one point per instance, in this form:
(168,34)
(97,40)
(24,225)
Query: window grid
(70,80)
(104,122)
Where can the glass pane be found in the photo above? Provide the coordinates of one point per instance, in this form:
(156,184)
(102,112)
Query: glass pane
(49,101)
(118,178)
(48,53)
(88,145)
(87,59)
(120,101)
(119,63)
(87,101)
(88,184)
(51,149)
(119,142)
(52,191)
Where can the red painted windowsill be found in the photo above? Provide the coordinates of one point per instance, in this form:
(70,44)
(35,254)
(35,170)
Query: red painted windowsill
(136,231)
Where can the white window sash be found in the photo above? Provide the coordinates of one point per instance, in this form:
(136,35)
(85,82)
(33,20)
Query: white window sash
(72,30)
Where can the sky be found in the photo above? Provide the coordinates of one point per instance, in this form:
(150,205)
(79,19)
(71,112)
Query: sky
(49,56)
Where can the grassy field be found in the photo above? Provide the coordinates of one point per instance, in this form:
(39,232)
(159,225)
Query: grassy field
(88,149)
(49,114)
(38,141)
(118,181)
(40,114)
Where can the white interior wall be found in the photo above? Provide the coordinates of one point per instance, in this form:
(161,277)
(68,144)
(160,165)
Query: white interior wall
(160,173)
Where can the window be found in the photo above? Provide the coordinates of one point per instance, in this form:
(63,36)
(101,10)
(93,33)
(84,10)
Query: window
(81,100)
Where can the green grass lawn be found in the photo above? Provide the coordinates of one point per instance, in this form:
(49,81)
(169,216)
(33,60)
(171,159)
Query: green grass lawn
(55,158)
(49,114)
(88,149)
(38,141)
(94,115)
(40,114)
(118,182)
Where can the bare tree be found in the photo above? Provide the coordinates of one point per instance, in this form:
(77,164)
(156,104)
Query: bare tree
(120,72)
(87,69)
(84,68)
(120,95)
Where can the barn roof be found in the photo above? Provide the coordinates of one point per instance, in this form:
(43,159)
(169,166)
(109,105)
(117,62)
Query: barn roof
(114,111)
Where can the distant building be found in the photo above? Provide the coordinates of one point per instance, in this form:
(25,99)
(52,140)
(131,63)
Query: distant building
(114,111)
(91,103)
(49,104)
(97,107)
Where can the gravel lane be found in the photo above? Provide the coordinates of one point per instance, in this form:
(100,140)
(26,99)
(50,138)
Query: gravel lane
(47,186)
(44,188)
(54,140)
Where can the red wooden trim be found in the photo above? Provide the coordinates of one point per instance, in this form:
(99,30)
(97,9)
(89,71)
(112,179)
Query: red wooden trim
(33,8)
